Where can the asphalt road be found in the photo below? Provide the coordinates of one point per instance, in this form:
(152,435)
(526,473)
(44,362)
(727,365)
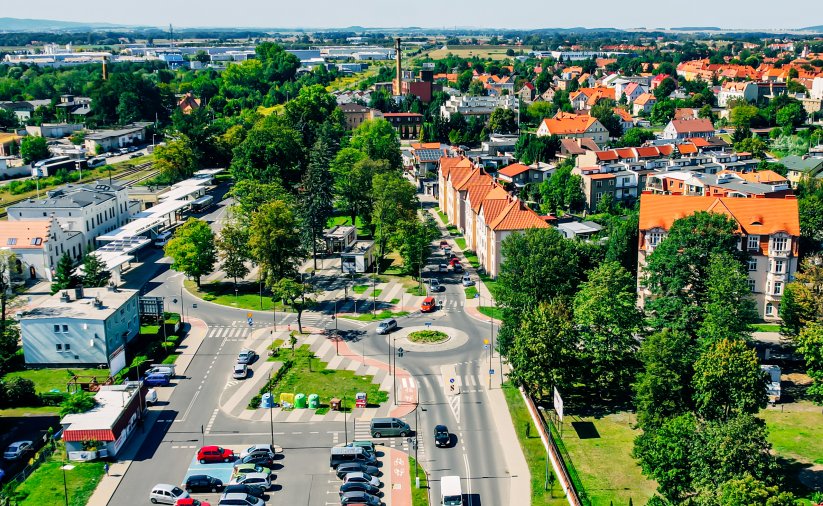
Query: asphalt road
(303,476)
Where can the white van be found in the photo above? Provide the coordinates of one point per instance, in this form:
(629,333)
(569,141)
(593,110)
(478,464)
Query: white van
(162,239)
(450,492)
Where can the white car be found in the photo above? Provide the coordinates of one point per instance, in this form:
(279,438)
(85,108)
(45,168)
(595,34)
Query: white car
(361,478)
(240,371)
(17,449)
(164,493)
(258,448)
(467,280)
(260,480)
(240,500)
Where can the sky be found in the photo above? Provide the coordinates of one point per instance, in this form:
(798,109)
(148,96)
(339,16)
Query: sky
(524,14)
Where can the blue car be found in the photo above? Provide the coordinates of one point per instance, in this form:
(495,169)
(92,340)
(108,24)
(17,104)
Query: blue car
(157,380)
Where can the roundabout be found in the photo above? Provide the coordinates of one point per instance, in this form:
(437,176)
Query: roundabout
(424,338)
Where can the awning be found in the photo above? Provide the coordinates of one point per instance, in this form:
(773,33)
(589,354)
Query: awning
(89,435)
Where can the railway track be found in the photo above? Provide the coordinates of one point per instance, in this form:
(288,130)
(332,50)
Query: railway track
(119,177)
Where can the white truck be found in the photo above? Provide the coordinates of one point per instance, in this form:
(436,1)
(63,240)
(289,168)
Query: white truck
(450,492)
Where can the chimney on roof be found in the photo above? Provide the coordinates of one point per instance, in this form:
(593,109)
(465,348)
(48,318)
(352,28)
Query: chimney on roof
(64,297)
(78,292)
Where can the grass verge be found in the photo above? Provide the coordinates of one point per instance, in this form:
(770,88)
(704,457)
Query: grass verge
(377,292)
(492,312)
(443,217)
(45,485)
(382,315)
(46,380)
(420,496)
(248,295)
(461,243)
(601,450)
(765,327)
(309,375)
(471,291)
(360,289)
(533,450)
(795,431)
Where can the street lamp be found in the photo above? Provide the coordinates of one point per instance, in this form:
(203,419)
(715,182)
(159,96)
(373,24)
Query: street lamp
(271,412)
(65,485)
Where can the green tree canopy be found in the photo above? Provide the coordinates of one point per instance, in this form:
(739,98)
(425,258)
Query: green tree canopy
(274,241)
(176,159)
(379,141)
(63,274)
(271,153)
(728,381)
(33,149)
(729,309)
(94,271)
(233,249)
(503,121)
(192,249)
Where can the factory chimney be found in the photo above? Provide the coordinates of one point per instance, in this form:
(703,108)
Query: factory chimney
(398,81)
(105,70)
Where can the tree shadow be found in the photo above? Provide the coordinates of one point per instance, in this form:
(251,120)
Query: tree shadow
(585,430)
(801,477)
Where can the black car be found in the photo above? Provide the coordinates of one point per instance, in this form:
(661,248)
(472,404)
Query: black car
(441,435)
(261,459)
(244,489)
(355,467)
(203,483)
(359,487)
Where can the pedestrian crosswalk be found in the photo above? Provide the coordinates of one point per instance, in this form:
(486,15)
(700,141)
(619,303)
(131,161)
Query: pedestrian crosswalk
(229,332)
(362,432)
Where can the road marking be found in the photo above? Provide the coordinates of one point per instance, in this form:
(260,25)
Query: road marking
(188,409)
(468,477)
(454,404)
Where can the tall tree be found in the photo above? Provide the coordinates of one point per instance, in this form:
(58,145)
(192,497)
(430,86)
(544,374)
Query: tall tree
(563,191)
(272,152)
(63,274)
(274,241)
(802,301)
(543,351)
(176,160)
(415,238)
(7,262)
(663,388)
(352,184)
(730,309)
(394,202)
(379,141)
(503,121)
(810,346)
(249,195)
(192,249)
(312,106)
(316,196)
(297,295)
(233,250)
(94,271)
(728,381)
(606,314)
(604,112)
(665,455)
(33,149)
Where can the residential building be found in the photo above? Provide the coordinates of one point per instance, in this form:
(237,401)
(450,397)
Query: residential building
(802,166)
(480,107)
(9,143)
(53,130)
(583,230)
(576,127)
(643,104)
(37,246)
(769,232)
(82,327)
(108,140)
(25,108)
(73,108)
(520,175)
(527,93)
(407,124)
(92,210)
(733,90)
(497,220)
(355,114)
(685,128)
(188,103)
(723,184)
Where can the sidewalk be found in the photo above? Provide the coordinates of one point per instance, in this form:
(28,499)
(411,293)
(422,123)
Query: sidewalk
(108,485)
(520,488)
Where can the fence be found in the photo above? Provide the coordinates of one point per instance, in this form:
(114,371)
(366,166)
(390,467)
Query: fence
(559,457)
(7,495)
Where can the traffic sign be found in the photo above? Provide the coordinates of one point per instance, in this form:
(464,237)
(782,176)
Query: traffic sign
(485,346)
(485,341)
(491,371)
(248,315)
(451,380)
(476,295)
(428,324)
(251,322)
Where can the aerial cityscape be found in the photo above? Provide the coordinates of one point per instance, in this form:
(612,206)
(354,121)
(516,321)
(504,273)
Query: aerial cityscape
(466,256)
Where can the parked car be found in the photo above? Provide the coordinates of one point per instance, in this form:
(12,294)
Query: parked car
(214,454)
(17,450)
(261,459)
(359,487)
(250,468)
(188,501)
(387,326)
(163,493)
(454,260)
(240,500)
(203,483)
(246,356)
(241,371)
(442,266)
(356,467)
(428,305)
(444,244)
(151,397)
(265,449)
(136,155)
(157,380)
(359,498)
(435,285)
(441,435)
(366,445)
(259,480)
(361,478)
(239,488)
(457,267)
(467,279)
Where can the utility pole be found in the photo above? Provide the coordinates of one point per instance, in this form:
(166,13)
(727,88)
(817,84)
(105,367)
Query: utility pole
(271,412)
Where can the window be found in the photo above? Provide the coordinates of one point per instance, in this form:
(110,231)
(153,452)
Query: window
(67,346)
(655,238)
(598,184)
(11,241)
(754,242)
(59,347)
(769,309)
(779,266)
(36,241)
(57,329)
(779,244)
(752,264)
(778,287)
(65,329)
(752,285)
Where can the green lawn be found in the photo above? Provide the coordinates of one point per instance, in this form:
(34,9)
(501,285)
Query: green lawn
(362,228)
(493,312)
(310,376)
(45,485)
(248,295)
(453,230)
(471,256)
(603,458)
(796,431)
(442,215)
(533,450)
(416,290)
(360,289)
(394,301)
(29,411)
(461,243)
(46,380)
(376,292)
(427,336)
(382,315)
(765,327)
(471,291)
(420,496)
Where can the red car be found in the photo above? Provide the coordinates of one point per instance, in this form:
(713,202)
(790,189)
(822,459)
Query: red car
(188,501)
(214,454)
(453,261)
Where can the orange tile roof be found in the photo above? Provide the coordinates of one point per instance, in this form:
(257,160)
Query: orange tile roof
(474,176)
(625,152)
(665,149)
(647,152)
(687,148)
(700,142)
(623,114)
(491,207)
(513,169)
(693,125)
(606,156)
(516,217)
(568,126)
(645,98)
(476,193)
(753,216)
(447,163)
(763,176)
(22,233)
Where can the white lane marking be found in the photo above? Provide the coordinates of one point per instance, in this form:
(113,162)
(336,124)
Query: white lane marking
(188,409)
(468,477)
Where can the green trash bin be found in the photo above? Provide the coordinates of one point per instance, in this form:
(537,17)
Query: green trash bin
(314,401)
(300,401)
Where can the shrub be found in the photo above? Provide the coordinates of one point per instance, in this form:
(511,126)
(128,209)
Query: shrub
(254,402)
(19,392)
(53,398)
(79,402)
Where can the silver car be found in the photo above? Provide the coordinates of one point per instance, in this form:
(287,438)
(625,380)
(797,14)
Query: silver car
(241,371)
(164,493)
(246,356)
(240,500)
(361,478)
(260,480)
(387,326)
(467,280)
(17,449)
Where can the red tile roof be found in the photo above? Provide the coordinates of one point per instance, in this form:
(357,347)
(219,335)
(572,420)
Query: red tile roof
(513,170)
(692,125)
(89,435)
(517,217)
(687,148)
(24,233)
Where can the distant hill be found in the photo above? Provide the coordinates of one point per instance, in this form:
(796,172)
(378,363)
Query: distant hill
(696,29)
(46,25)
(818,28)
